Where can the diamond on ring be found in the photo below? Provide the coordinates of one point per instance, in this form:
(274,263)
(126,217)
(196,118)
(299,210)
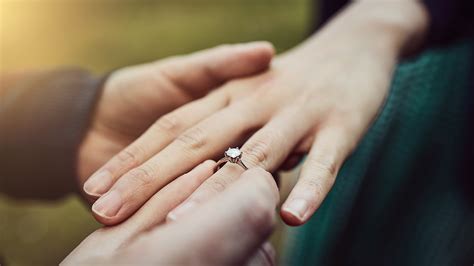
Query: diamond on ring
(231,155)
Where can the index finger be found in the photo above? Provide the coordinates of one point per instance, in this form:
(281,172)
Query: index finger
(202,141)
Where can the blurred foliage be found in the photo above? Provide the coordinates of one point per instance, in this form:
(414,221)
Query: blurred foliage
(102,35)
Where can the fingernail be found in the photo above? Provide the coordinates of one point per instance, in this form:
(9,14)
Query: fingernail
(108,205)
(98,183)
(180,211)
(297,207)
(269,253)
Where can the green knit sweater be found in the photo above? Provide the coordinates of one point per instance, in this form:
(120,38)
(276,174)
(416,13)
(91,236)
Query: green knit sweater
(406,196)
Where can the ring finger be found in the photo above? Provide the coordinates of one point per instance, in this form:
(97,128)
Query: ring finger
(196,144)
(267,148)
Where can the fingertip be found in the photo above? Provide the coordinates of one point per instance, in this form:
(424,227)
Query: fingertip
(264,256)
(101,218)
(181,210)
(106,210)
(198,171)
(171,217)
(264,45)
(295,212)
(270,253)
(201,172)
(290,219)
(91,199)
(263,50)
(258,175)
(91,196)
(210,161)
(253,57)
(107,220)
(209,165)
(98,184)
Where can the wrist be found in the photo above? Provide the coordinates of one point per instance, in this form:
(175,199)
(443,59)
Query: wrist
(84,157)
(383,29)
(400,25)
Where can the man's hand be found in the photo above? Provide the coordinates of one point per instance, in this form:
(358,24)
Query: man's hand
(135,97)
(228,230)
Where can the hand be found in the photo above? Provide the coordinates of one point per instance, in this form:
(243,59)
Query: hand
(318,98)
(135,97)
(227,230)
(321,98)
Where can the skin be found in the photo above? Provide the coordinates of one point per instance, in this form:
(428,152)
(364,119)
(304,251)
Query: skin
(135,97)
(319,98)
(227,230)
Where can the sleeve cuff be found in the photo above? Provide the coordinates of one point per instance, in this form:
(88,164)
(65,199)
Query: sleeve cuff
(43,118)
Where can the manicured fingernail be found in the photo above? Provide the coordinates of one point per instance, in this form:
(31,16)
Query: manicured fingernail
(108,205)
(98,183)
(180,211)
(297,207)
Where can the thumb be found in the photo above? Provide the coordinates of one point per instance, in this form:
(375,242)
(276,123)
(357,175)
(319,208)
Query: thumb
(202,71)
(227,230)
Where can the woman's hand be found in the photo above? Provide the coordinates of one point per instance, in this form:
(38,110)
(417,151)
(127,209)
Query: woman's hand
(320,97)
(135,97)
(227,231)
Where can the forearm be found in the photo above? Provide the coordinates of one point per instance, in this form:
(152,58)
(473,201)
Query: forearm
(388,28)
(43,116)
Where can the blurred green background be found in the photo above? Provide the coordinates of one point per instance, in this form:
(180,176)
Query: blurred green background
(102,35)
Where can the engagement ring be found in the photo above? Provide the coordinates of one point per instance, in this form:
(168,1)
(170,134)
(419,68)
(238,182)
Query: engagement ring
(231,155)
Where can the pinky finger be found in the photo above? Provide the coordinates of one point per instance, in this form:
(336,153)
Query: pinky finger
(329,149)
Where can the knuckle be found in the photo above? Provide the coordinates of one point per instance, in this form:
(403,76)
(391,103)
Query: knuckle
(168,123)
(258,151)
(313,185)
(193,138)
(326,168)
(130,156)
(218,185)
(143,175)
